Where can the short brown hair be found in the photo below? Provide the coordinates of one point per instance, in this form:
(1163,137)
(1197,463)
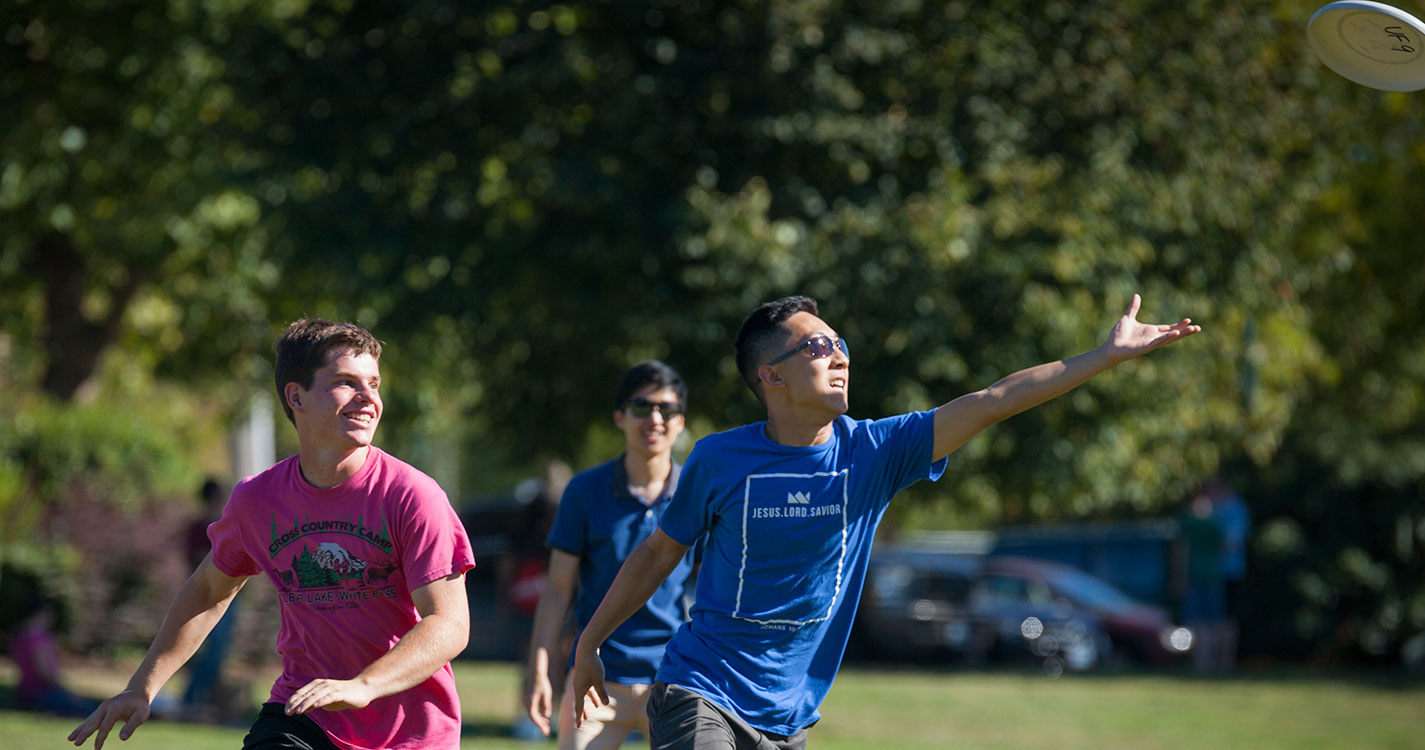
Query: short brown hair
(303,349)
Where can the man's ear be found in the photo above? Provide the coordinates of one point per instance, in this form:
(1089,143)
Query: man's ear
(293,393)
(770,377)
(618,418)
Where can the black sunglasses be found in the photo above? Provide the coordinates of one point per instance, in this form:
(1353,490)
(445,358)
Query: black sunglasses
(820,346)
(642,408)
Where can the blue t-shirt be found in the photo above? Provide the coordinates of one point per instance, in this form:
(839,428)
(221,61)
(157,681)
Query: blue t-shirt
(789,534)
(601,522)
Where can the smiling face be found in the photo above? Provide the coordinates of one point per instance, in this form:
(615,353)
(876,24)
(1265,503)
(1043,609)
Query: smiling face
(343,406)
(654,434)
(809,384)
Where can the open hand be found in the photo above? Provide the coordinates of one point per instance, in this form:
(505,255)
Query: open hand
(1130,339)
(129,706)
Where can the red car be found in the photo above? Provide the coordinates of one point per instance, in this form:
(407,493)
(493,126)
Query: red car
(1138,630)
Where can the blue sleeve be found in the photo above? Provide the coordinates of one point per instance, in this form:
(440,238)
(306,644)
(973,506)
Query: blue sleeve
(905,442)
(568,532)
(687,516)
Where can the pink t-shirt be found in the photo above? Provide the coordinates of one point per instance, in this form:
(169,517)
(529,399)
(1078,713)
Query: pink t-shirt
(344,560)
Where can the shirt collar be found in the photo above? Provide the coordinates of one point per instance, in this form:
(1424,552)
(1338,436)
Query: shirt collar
(620,481)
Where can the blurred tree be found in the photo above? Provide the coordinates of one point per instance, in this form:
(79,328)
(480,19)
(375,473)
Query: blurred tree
(116,222)
(970,189)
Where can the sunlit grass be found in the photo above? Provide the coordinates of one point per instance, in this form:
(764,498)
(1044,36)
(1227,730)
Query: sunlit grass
(890,709)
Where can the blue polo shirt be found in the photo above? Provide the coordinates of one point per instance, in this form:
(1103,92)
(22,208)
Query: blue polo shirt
(789,533)
(601,522)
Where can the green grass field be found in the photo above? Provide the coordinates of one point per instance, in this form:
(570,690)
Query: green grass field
(913,709)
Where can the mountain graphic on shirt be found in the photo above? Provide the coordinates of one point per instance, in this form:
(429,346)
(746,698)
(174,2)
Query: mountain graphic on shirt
(799,498)
(328,565)
(332,556)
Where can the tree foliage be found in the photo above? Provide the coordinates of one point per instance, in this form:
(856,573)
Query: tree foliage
(524,198)
(118,224)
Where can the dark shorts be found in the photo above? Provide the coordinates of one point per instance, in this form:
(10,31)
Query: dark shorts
(275,730)
(680,719)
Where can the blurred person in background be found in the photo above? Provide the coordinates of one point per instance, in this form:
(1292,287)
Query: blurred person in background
(524,569)
(1203,593)
(35,650)
(205,670)
(368,559)
(1230,512)
(789,507)
(605,513)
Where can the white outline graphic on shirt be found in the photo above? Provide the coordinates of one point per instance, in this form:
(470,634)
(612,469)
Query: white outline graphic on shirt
(840,560)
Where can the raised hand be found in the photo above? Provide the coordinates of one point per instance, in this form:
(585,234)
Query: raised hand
(1130,338)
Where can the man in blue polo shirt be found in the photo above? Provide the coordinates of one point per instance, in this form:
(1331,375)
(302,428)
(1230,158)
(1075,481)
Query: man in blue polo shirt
(790,506)
(605,513)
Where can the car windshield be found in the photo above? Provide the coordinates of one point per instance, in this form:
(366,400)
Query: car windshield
(1092,591)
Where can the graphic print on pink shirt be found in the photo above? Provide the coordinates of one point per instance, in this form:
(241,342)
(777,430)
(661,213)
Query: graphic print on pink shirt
(338,574)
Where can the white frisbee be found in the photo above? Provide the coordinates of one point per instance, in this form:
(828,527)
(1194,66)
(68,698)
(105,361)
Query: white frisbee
(1373,44)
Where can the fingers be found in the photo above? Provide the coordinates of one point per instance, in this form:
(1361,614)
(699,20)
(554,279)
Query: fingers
(82,732)
(539,710)
(1133,306)
(98,721)
(105,724)
(1174,334)
(315,694)
(596,697)
(130,725)
(540,720)
(601,694)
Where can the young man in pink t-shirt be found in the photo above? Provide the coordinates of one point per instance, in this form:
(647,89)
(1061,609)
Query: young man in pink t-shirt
(368,559)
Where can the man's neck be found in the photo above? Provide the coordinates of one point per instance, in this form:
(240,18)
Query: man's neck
(785,427)
(648,472)
(327,468)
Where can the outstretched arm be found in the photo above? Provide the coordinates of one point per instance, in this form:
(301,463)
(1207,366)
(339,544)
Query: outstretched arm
(644,570)
(439,637)
(197,607)
(554,600)
(967,416)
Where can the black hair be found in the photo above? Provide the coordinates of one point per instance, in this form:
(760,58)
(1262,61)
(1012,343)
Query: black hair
(762,329)
(646,373)
(303,349)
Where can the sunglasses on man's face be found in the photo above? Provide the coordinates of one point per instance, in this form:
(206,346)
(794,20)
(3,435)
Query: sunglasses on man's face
(642,408)
(820,345)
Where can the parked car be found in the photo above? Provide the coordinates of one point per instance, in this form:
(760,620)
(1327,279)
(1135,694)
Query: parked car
(1136,630)
(1135,556)
(915,604)
(1016,620)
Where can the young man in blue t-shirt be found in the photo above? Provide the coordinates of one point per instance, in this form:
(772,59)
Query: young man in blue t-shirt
(790,506)
(604,514)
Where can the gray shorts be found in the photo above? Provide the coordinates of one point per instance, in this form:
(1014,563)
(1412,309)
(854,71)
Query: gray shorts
(680,719)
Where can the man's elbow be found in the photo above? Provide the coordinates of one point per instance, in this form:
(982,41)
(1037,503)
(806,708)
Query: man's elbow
(451,636)
(459,637)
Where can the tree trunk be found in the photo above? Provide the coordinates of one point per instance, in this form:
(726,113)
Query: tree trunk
(73,343)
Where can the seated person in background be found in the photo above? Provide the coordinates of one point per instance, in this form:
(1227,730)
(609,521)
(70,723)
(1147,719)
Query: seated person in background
(36,654)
